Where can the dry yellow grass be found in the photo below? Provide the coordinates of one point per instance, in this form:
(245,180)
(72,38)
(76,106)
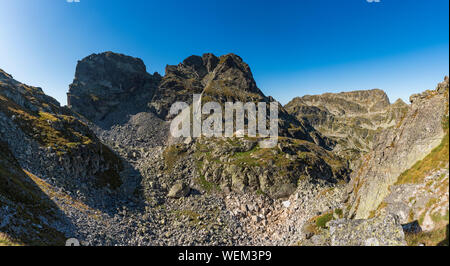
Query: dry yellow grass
(6,241)
(52,193)
(438,237)
(436,159)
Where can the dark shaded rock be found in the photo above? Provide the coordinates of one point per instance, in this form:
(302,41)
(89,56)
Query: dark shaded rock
(412,227)
(110,84)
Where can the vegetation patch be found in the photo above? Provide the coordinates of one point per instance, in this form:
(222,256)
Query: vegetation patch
(339,213)
(381,206)
(436,159)
(437,217)
(56,131)
(206,185)
(172,154)
(438,237)
(5,240)
(321,221)
(194,217)
(445,122)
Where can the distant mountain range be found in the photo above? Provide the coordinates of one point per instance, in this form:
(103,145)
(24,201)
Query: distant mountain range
(348,169)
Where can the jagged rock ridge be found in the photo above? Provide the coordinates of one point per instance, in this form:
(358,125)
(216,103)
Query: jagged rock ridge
(353,119)
(224,79)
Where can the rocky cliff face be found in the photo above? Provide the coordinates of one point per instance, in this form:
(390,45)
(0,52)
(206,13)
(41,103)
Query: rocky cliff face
(352,119)
(241,165)
(109,86)
(55,159)
(416,136)
(48,140)
(26,213)
(196,73)
(399,178)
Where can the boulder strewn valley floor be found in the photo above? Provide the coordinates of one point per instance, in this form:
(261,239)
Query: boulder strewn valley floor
(349,168)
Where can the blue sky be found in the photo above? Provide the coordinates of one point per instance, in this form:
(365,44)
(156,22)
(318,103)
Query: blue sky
(293,47)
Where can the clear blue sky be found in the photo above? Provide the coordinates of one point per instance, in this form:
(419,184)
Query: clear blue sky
(294,47)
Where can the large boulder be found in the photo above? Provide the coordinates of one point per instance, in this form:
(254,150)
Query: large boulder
(179,190)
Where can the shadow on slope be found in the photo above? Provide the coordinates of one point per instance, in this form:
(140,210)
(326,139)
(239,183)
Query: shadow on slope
(27,214)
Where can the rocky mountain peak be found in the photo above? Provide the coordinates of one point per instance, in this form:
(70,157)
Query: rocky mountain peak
(4,75)
(210,61)
(107,82)
(233,69)
(361,101)
(194,66)
(109,86)
(441,88)
(400,103)
(208,74)
(352,119)
(106,63)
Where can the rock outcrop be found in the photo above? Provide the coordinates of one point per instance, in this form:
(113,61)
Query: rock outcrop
(242,165)
(109,86)
(26,213)
(421,130)
(352,119)
(223,79)
(48,141)
(220,79)
(196,73)
(381,231)
(178,190)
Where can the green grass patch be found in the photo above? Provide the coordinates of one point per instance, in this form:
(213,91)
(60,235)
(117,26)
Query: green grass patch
(171,155)
(192,215)
(322,220)
(206,185)
(339,212)
(437,217)
(435,160)
(445,122)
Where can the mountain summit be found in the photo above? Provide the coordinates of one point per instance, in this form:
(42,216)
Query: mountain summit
(111,83)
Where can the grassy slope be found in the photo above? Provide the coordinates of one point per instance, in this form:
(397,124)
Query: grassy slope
(438,158)
(64,134)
